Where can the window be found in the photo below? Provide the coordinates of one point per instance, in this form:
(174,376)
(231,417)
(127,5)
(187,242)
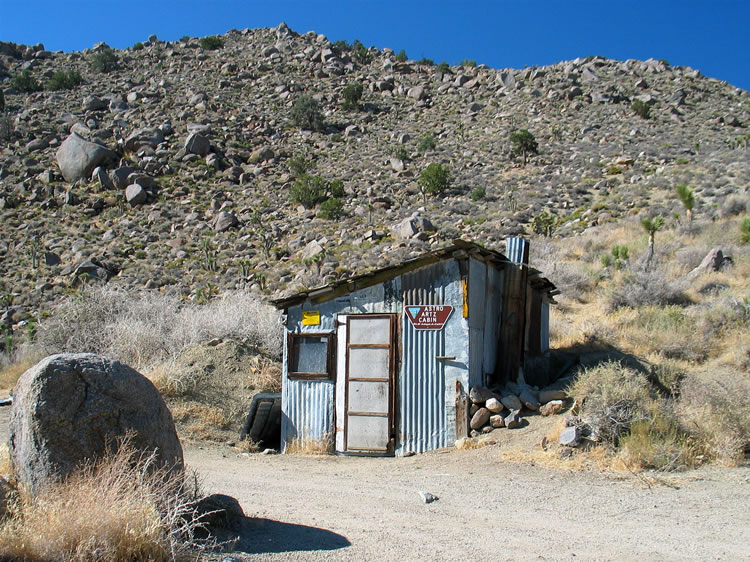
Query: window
(311,356)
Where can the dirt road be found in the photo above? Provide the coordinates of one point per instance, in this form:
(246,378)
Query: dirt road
(345,508)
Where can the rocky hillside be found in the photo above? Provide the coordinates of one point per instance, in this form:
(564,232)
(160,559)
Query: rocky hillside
(210,148)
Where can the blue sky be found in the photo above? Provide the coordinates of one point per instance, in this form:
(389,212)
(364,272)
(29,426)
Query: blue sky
(711,35)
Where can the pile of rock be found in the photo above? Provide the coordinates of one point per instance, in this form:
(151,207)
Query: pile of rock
(492,410)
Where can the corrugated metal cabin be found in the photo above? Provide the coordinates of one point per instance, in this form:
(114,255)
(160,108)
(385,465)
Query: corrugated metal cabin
(381,363)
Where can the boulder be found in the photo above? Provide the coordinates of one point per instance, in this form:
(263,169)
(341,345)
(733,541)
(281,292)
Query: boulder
(141,137)
(549,395)
(511,401)
(494,405)
(120,176)
(479,394)
(219,512)
(480,418)
(224,221)
(715,260)
(197,144)
(513,420)
(78,157)
(135,194)
(552,408)
(497,421)
(528,398)
(570,436)
(74,407)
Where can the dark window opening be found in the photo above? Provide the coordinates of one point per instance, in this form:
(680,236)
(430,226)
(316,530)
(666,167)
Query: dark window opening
(311,356)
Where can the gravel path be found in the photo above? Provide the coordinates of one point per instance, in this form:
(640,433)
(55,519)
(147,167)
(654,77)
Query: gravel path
(347,508)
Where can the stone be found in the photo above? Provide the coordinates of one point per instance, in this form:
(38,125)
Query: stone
(93,269)
(715,260)
(511,401)
(513,420)
(417,93)
(135,194)
(494,405)
(197,144)
(311,249)
(427,497)
(262,154)
(100,176)
(479,394)
(219,512)
(528,398)
(141,137)
(119,176)
(93,103)
(411,227)
(74,407)
(570,436)
(497,421)
(78,157)
(480,418)
(224,221)
(548,395)
(552,407)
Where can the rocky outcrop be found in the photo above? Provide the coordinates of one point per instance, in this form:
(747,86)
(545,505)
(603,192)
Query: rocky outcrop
(74,407)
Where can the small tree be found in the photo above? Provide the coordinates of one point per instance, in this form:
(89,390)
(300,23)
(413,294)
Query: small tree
(25,82)
(641,109)
(544,224)
(300,166)
(524,144)
(687,198)
(211,43)
(306,113)
(434,179)
(308,191)
(352,94)
(401,56)
(104,61)
(651,226)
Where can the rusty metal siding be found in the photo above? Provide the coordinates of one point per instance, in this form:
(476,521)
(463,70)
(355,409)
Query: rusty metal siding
(307,411)
(427,386)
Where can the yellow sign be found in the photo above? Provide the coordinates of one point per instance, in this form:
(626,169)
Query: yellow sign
(311,318)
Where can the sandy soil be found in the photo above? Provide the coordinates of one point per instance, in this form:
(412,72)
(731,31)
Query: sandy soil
(347,508)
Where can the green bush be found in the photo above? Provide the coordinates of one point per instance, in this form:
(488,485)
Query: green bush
(401,56)
(338,47)
(361,54)
(138,46)
(428,142)
(300,166)
(211,43)
(65,80)
(445,68)
(523,143)
(478,193)
(306,113)
(400,152)
(745,230)
(426,62)
(468,62)
(641,109)
(544,223)
(434,179)
(25,82)
(336,189)
(331,209)
(308,191)
(104,61)
(352,94)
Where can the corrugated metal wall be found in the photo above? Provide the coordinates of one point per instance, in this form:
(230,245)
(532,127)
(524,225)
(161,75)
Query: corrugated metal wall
(307,416)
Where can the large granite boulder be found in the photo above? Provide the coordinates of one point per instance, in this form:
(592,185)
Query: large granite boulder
(78,157)
(74,407)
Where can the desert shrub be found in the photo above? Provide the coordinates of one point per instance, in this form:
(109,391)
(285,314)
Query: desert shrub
(308,191)
(104,61)
(401,56)
(469,62)
(211,43)
(714,407)
(434,179)
(733,206)
(444,68)
(61,80)
(641,109)
(361,53)
(141,329)
(544,223)
(658,443)
(138,46)
(331,209)
(352,94)
(300,166)
(306,113)
(119,508)
(336,188)
(25,82)
(428,142)
(613,397)
(399,151)
(641,288)
(426,62)
(478,193)
(338,47)
(745,230)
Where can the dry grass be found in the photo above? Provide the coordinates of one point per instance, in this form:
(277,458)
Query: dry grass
(201,421)
(120,508)
(10,374)
(323,446)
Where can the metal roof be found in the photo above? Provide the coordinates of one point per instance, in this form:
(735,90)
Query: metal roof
(458,249)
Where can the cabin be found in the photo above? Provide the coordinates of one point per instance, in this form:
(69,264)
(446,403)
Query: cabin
(382,363)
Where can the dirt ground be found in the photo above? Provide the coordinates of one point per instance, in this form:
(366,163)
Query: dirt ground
(348,508)
(301,507)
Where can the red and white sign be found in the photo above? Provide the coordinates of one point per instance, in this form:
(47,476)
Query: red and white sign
(428,316)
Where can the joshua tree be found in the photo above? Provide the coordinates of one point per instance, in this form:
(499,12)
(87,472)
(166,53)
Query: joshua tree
(687,198)
(524,144)
(652,226)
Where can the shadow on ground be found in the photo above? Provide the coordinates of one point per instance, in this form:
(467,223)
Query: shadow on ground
(264,536)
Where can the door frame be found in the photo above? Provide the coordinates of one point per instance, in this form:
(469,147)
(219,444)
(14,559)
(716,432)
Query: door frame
(392,361)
